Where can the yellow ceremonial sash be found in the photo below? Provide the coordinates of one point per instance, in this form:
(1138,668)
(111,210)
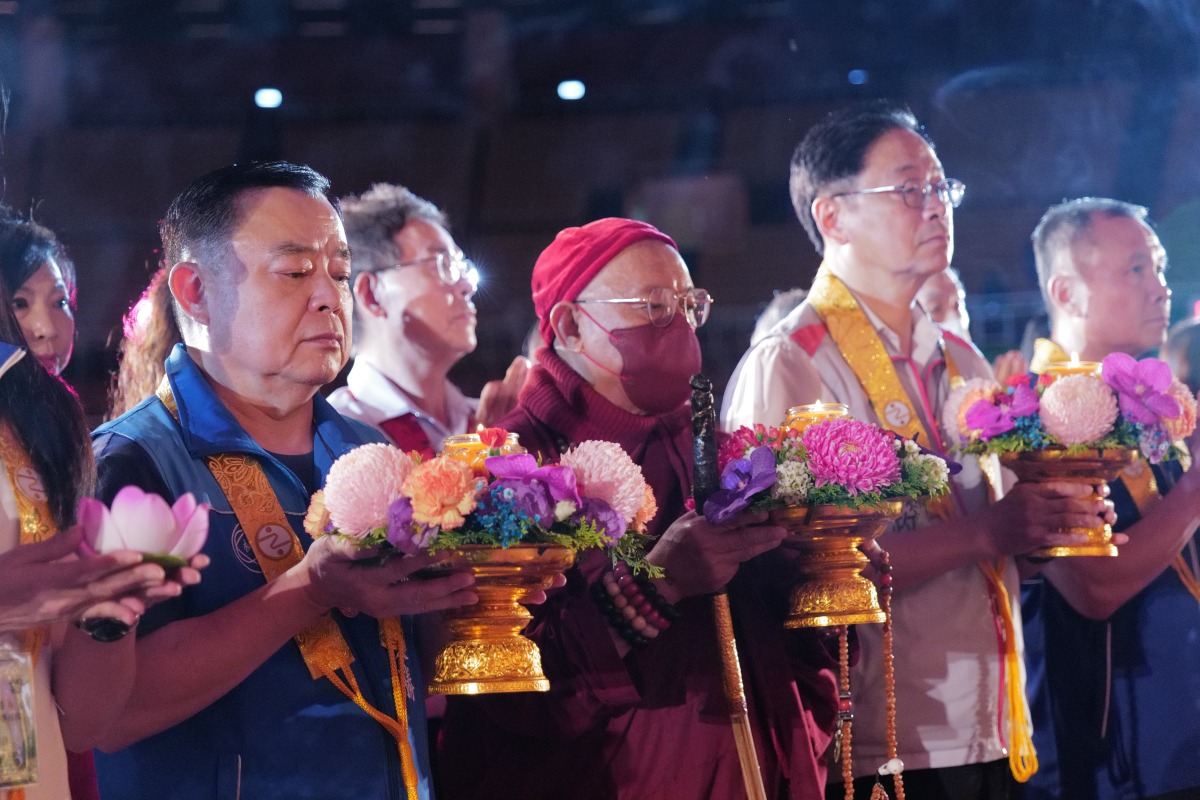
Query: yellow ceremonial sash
(33,509)
(865,354)
(37,525)
(277,548)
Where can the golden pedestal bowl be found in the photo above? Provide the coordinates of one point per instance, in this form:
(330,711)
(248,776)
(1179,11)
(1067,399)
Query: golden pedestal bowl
(832,590)
(1091,467)
(487,653)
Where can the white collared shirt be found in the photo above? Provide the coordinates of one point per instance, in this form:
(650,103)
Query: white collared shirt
(370,396)
(947,657)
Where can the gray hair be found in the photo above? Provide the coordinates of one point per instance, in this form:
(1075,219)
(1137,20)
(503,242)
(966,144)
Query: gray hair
(378,214)
(1069,222)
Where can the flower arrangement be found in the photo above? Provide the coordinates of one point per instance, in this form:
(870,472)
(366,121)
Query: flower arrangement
(842,462)
(383,497)
(1133,404)
(167,535)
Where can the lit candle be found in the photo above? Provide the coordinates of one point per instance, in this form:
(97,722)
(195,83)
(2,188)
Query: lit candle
(470,448)
(1074,367)
(799,418)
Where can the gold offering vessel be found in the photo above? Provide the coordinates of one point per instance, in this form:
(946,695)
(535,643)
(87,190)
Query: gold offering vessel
(1091,467)
(487,653)
(832,590)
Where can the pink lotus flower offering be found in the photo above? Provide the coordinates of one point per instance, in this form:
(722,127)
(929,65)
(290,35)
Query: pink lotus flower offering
(383,497)
(168,535)
(1131,404)
(842,462)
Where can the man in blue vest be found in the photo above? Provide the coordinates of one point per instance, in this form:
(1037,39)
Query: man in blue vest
(1113,644)
(258,682)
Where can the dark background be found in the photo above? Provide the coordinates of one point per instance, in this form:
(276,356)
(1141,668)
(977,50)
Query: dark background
(691,113)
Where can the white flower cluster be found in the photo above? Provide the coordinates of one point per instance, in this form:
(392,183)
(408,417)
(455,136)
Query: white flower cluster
(793,482)
(931,470)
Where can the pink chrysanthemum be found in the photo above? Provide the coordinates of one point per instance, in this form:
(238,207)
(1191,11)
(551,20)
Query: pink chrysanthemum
(1078,409)
(442,491)
(954,412)
(1182,426)
(606,472)
(851,453)
(362,484)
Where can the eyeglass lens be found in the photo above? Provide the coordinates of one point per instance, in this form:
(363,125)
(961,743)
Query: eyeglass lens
(949,191)
(662,302)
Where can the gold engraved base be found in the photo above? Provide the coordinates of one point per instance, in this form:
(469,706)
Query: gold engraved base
(487,653)
(832,590)
(1091,467)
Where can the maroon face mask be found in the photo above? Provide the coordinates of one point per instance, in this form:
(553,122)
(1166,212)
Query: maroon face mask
(656,363)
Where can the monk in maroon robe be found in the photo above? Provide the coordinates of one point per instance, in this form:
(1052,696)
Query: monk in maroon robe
(647,719)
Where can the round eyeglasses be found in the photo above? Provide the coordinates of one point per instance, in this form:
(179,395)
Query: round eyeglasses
(950,191)
(451,268)
(660,304)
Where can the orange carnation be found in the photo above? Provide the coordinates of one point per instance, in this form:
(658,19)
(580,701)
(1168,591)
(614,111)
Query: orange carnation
(646,513)
(1182,426)
(442,491)
(317,518)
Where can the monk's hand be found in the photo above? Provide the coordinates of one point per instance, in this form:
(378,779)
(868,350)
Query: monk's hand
(699,557)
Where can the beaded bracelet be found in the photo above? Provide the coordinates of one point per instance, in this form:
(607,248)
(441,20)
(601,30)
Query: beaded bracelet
(633,605)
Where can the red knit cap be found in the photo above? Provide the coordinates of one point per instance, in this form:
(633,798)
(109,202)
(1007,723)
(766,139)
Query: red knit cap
(576,255)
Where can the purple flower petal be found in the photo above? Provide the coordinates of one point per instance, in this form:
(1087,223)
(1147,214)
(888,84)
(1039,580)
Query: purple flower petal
(514,465)
(606,518)
(403,533)
(740,482)
(989,420)
(1025,401)
(1153,373)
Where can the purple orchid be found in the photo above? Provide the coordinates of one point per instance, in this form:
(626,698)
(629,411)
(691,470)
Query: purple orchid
(559,480)
(528,496)
(740,481)
(1141,388)
(404,533)
(989,419)
(604,516)
(1025,401)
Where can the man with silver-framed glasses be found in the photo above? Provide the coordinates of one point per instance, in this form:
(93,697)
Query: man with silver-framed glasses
(872,195)
(414,320)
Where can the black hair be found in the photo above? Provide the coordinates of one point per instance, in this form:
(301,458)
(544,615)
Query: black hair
(204,215)
(43,411)
(25,246)
(833,150)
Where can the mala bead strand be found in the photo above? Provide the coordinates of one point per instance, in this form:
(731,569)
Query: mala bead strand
(633,605)
(845,710)
(894,766)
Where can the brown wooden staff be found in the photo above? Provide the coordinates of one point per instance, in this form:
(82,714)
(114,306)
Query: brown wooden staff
(706,479)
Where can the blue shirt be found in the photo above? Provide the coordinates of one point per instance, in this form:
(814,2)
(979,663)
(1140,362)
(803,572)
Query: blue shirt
(1119,726)
(279,733)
